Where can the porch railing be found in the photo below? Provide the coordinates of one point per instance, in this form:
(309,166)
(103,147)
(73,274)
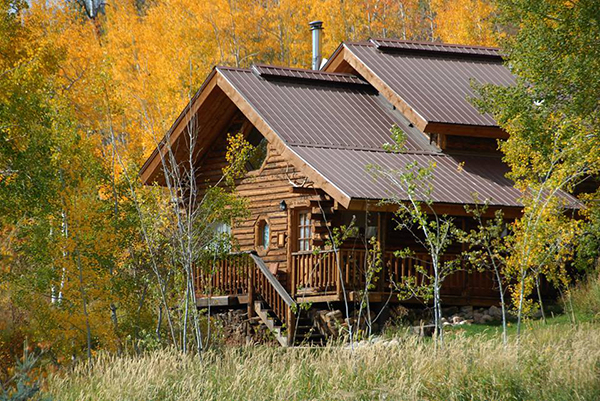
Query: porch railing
(225,276)
(264,284)
(318,273)
(244,274)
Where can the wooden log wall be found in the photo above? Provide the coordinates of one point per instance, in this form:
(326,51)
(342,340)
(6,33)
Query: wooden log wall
(264,189)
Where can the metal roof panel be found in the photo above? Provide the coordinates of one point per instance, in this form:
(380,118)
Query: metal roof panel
(310,112)
(455,178)
(436,87)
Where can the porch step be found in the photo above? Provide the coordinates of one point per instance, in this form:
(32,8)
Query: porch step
(306,332)
(309,334)
(270,322)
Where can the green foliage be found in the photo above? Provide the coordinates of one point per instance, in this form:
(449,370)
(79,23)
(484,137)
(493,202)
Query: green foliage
(86,251)
(412,189)
(551,116)
(27,115)
(22,386)
(398,144)
(488,249)
(587,252)
(239,152)
(488,241)
(551,113)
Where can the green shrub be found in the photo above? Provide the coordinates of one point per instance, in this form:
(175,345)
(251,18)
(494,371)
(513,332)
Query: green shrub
(22,386)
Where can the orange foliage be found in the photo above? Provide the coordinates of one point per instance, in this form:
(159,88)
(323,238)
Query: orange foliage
(132,70)
(467,22)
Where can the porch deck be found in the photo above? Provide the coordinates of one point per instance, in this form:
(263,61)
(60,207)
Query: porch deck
(316,277)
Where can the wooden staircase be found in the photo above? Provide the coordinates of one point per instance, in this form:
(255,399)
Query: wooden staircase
(305,331)
(275,306)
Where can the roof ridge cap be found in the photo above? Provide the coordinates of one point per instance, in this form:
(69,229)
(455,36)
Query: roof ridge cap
(443,44)
(226,67)
(341,74)
(358,43)
(314,76)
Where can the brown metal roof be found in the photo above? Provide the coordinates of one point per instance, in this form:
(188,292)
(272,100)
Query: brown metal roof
(452,184)
(336,125)
(434,79)
(339,130)
(312,112)
(455,178)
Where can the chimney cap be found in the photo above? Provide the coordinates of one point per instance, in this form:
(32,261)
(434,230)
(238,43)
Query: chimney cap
(316,25)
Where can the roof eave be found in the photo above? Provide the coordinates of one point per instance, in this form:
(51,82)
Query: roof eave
(454,209)
(148,172)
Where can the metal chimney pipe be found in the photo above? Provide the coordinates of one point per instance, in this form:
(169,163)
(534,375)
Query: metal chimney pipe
(317,28)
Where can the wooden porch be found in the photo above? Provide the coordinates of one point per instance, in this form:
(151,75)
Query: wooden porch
(315,277)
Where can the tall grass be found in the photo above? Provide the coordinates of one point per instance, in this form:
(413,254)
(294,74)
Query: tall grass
(585,297)
(551,363)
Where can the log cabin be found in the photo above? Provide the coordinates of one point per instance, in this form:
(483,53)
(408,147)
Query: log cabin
(319,129)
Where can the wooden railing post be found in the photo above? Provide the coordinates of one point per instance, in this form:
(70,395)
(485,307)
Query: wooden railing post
(250,272)
(293,268)
(291,326)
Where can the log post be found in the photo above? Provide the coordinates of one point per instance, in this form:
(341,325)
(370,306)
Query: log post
(292,268)
(381,233)
(289,243)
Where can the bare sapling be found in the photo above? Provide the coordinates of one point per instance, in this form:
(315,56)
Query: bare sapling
(412,192)
(488,249)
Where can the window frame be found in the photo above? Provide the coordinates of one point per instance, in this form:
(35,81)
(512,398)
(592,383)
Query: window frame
(259,245)
(259,170)
(303,230)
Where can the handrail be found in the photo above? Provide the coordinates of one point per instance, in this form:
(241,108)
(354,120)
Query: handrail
(322,251)
(285,296)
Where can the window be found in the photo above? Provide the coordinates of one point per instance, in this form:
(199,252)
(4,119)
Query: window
(258,156)
(221,238)
(364,225)
(263,235)
(304,231)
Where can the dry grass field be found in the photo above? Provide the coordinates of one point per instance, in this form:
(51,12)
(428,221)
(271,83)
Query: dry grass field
(552,362)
